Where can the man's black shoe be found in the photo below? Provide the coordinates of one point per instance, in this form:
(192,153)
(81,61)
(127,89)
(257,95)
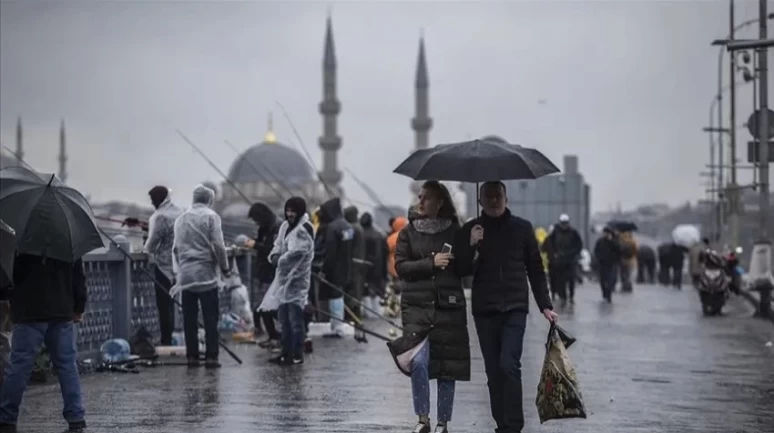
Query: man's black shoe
(7,428)
(281,360)
(298,360)
(211,364)
(77,426)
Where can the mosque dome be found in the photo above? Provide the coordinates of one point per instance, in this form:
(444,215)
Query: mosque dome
(270,161)
(495,138)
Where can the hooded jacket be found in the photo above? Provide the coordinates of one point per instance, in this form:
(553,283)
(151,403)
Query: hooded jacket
(566,245)
(376,252)
(293,252)
(199,252)
(268,227)
(161,236)
(333,249)
(392,240)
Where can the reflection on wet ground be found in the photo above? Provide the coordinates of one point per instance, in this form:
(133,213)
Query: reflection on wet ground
(647,363)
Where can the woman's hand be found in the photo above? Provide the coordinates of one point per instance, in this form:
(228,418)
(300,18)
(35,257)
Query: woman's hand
(476,235)
(441,260)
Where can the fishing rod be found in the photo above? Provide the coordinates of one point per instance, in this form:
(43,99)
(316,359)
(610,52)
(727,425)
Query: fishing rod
(258,172)
(212,164)
(150,275)
(343,292)
(371,194)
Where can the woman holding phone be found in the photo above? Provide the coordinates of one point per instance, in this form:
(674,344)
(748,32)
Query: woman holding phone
(435,343)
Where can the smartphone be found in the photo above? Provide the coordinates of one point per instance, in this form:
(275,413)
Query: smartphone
(447,249)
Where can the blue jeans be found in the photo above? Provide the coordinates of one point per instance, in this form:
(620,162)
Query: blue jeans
(291,317)
(501,337)
(59,338)
(420,387)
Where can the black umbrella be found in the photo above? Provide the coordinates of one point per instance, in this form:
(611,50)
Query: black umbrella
(7,254)
(622,226)
(476,161)
(50,218)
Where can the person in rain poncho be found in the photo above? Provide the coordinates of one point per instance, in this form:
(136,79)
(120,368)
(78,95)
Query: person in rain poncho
(629,249)
(435,342)
(397,225)
(292,255)
(200,262)
(333,260)
(161,236)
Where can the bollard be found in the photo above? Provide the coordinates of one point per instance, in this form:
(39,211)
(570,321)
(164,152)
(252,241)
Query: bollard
(121,282)
(764,309)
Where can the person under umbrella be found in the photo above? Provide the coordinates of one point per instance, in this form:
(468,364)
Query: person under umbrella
(7,254)
(55,228)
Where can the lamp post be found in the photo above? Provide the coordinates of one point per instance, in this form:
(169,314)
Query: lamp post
(732,191)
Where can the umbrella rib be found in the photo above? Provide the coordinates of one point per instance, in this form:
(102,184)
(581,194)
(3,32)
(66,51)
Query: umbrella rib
(64,209)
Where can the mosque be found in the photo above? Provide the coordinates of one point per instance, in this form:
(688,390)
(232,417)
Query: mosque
(271,171)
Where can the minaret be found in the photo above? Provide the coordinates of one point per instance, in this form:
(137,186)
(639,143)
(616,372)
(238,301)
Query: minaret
(330,142)
(421,123)
(62,153)
(269,137)
(19,141)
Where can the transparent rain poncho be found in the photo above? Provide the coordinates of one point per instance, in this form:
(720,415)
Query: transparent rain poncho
(199,252)
(293,252)
(161,236)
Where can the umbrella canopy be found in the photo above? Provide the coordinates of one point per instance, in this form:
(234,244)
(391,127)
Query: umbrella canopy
(686,235)
(476,161)
(50,219)
(622,226)
(7,254)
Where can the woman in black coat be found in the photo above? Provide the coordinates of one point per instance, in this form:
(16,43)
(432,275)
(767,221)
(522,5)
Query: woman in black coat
(435,343)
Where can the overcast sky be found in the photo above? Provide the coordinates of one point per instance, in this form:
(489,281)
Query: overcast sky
(624,85)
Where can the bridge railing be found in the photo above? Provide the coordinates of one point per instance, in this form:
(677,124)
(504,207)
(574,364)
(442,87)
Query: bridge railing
(122,296)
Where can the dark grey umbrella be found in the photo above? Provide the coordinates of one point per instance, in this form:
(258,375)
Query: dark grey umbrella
(50,218)
(7,254)
(476,161)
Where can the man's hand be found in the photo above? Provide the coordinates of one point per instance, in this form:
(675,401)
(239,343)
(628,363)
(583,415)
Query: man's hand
(441,260)
(550,315)
(78,318)
(476,234)
(250,243)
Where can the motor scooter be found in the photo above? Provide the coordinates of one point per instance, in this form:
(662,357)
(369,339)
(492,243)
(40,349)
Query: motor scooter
(713,284)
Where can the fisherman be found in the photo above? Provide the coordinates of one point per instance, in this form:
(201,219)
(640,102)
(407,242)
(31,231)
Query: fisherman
(268,227)
(161,237)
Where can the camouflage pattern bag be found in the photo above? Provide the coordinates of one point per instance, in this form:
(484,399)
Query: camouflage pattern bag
(558,393)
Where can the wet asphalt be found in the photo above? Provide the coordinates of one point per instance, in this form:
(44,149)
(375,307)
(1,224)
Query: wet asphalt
(647,363)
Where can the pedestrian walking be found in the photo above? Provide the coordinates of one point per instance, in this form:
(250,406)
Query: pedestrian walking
(200,262)
(292,255)
(504,251)
(435,342)
(158,246)
(607,252)
(646,265)
(268,227)
(566,245)
(629,249)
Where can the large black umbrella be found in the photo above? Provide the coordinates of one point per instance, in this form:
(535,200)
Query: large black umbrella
(50,218)
(7,254)
(476,161)
(622,226)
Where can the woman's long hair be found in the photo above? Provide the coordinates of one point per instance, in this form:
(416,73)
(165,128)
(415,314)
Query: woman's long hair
(440,191)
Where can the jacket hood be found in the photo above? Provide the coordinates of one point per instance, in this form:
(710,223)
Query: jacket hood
(366,220)
(399,223)
(412,213)
(261,214)
(351,214)
(330,210)
(203,195)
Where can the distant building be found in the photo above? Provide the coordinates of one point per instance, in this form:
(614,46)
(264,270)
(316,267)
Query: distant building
(541,201)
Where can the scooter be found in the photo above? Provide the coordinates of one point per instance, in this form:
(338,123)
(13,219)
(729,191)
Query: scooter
(713,284)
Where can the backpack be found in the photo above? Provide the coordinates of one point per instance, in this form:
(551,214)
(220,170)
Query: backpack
(142,344)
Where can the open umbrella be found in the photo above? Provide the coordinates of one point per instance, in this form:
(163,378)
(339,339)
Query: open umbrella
(622,226)
(50,218)
(475,161)
(7,254)
(686,235)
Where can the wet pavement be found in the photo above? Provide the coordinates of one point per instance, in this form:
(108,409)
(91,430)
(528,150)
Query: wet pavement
(647,363)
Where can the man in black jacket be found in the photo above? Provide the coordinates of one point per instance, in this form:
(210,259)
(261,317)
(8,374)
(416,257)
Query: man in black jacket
(355,287)
(268,226)
(376,252)
(607,252)
(502,254)
(566,245)
(49,297)
(333,261)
